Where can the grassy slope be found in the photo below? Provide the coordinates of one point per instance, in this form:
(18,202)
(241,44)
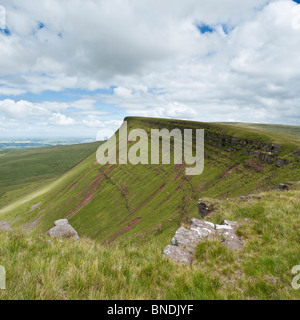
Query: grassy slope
(278,129)
(143,202)
(23,171)
(41,269)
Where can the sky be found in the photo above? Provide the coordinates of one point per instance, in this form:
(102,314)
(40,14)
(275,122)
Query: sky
(76,68)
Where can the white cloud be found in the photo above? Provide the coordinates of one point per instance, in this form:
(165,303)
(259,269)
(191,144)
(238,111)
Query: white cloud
(7,91)
(21,109)
(155,58)
(61,120)
(123,93)
(2,17)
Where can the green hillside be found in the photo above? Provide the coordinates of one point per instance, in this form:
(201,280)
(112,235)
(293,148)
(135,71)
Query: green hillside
(138,203)
(292,132)
(39,268)
(23,171)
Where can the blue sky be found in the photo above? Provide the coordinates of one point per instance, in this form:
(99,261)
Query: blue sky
(76,69)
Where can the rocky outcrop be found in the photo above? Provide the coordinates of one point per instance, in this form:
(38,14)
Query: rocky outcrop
(61,222)
(185,240)
(204,208)
(281,162)
(178,254)
(203,228)
(62,229)
(269,158)
(229,235)
(226,141)
(266,152)
(283,186)
(5,226)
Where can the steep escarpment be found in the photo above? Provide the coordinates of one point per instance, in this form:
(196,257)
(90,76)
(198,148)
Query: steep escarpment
(114,202)
(267,152)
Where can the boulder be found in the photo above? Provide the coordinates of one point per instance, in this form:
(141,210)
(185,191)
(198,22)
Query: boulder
(61,222)
(186,239)
(283,186)
(204,208)
(233,224)
(221,228)
(228,233)
(232,240)
(62,229)
(202,228)
(178,255)
(5,226)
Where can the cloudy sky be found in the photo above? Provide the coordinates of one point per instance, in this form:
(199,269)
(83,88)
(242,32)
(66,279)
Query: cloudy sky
(73,68)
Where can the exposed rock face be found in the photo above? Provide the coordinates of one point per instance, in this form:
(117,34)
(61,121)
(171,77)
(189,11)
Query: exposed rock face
(5,226)
(62,229)
(233,224)
(204,208)
(178,254)
(202,228)
(270,158)
(267,152)
(61,222)
(185,240)
(229,236)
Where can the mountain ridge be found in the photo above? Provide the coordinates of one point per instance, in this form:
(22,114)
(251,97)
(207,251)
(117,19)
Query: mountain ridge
(114,202)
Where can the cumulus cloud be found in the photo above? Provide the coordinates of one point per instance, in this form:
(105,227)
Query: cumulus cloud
(156,59)
(23,108)
(61,120)
(20,109)
(2,17)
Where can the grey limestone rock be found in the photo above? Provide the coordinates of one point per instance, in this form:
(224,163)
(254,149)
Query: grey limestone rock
(178,254)
(62,229)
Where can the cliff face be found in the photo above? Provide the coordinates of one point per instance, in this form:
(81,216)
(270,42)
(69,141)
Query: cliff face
(267,152)
(231,139)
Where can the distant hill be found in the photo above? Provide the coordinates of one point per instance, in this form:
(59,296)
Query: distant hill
(111,203)
(25,170)
(12,144)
